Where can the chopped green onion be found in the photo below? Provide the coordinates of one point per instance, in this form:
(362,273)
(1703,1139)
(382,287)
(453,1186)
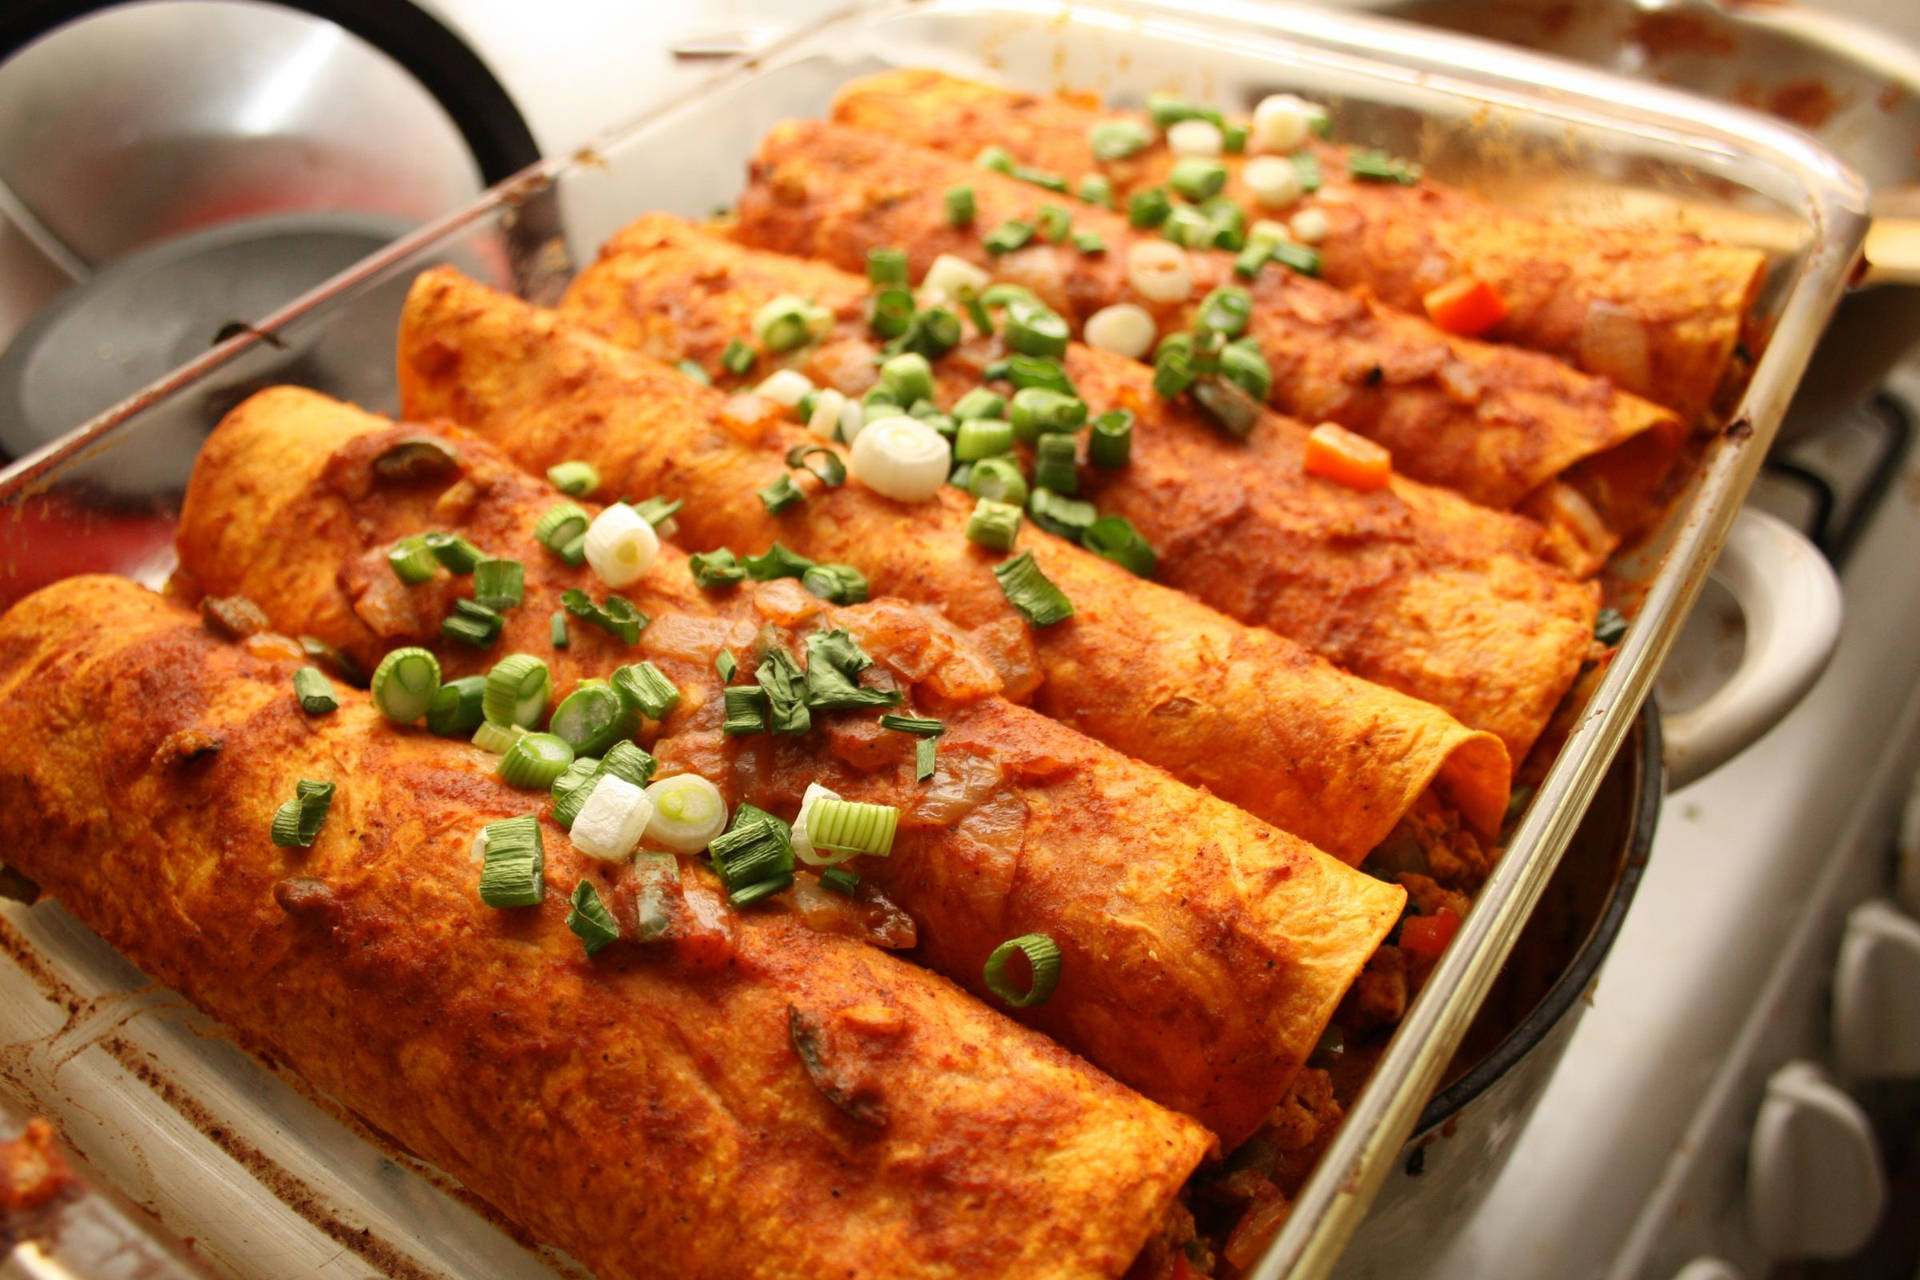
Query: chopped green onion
(1117,139)
(837,583)
(1053,465)
(738,358)
(629,763)
(785,685)
(788,322)
(1306,167)
(1031,592)
(589,918)
(499,584)
(1197,177)
(1378,166)
(886,266)
(979,403)
(1247,263)
(803,407)
(998,159)
(411,560)
(922,725)
(1095,188)
(923,759)
(1226,310)
(535,760)
(998,479)
(746,709)
(404,684)
(572,789)
(716,568)
(688,812)
(850,826)
(1110,442)
(1148,209)
(557,630)
(1053,222)
(560,525)
(1173,365)
(1298,257)
(577,775)
(1610,626)
(497,738)
(1089,242)
(1059,514)
(1036,411)
(1114,538)
(726,664)
(646,688)
(612,819)
(592,718)
(960,206)
(576,479)
(750,894)
(457,707)
(834,664)
(1188,227)
(1025,371)
(1231,407)
(782,494)
(976,311)
(907,377)
(513,863)
(656,511)
(325,654)
(932,333)
(1165,109)
(1040,177)
(574,552)
(1035,331)
(841,881)
(615,615)
(693,369)
(1043,957)
(892,312)
(517,690)
(982,438)
(776,562)
(473,623)
(415,458)
(1005,295)
(296,824)
(961,474)
(993,524)
(1233,138)
(756,847)
(454,551)
(1008,236)
(1242,364)
(314,692)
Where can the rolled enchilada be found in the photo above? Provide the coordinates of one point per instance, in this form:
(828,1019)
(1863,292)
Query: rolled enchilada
(648,1110)
(1408,586)
(1498,424)
(1661,314)
(1249,715)
(1203,951)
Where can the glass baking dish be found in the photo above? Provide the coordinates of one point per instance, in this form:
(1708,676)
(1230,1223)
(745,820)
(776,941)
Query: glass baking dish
(270,1182)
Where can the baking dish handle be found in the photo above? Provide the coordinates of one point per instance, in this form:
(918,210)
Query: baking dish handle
(1790,600)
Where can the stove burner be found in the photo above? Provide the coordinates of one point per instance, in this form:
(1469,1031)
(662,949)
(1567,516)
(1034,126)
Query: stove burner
(140,317)
(1829,484)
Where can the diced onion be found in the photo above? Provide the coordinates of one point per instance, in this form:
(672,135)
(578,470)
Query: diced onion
(688,812)
(1123,329)
(1196,138)
(1309,226)
(951,276)
(902,457)
(621,545)
(1159,272)
(802,843)
(825,422)
(1281,122)
(611,821)
(784,386)
(1273,180)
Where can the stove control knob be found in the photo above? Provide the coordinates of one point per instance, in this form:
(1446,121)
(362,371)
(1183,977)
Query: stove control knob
(1876,994)
(1709,1268)
(1815,1187)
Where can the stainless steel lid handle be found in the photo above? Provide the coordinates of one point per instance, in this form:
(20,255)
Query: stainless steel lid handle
(1791,602)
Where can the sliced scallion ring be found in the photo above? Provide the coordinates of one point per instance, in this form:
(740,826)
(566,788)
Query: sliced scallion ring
(592,718)
(535,760)
(575,479)
(296,825)
(513,862)
(496,738)
(314,692)
(646,688)
(404,684)
(621,545)
(853,827)
(688,812)
(1043,956)
(517,690)
(1114,538)
(1030,591)
(589,918)
(455,710)
(412,560)
(611,821)
(499,584)
(561,524)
